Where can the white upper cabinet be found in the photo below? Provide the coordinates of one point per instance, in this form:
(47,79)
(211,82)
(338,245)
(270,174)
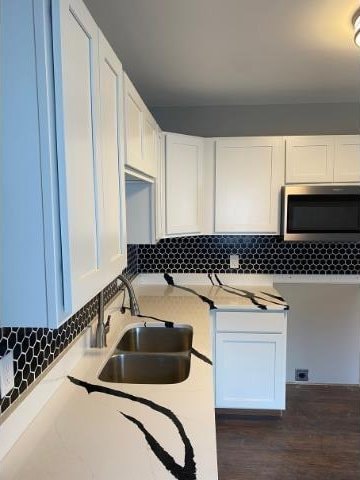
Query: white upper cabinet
(88,93)
(141,131)
(323,159)
(160,187)
(309,159)
(67,240)
(150,148)
(144,185)
(183,184)
(347,158)
(78,132)
(249,173)
(113,228)
(133,118)
(31,292)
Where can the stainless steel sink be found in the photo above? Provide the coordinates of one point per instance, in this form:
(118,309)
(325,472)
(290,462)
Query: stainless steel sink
(146,368)
(156,339)
(151,355)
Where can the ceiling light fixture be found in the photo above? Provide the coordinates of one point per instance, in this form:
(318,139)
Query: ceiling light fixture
(357,29)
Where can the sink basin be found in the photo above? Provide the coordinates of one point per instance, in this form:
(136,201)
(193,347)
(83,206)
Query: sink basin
(156,339)
(146,368)
(150,355)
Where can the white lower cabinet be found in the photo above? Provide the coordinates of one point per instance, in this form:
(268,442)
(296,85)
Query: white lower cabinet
(250,360)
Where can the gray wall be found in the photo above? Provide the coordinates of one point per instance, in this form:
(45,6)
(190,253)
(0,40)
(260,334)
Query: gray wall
(301,119)
(323,331)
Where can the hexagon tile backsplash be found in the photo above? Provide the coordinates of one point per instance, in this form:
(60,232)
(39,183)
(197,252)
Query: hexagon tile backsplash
(36,348)
(265,254)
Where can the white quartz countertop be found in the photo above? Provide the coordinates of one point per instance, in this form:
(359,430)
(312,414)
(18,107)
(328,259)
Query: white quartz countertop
(99,430)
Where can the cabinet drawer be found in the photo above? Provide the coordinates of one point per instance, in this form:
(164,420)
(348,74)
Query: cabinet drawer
(250,322)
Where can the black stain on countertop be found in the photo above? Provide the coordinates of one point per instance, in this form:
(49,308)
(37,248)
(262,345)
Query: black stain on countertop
(276,297)
(167,323)
(240,293)
(186,472)
(254,299)
(170,281)
(202,357)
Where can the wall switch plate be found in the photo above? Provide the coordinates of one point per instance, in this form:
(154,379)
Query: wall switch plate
(6,374)
(234,261)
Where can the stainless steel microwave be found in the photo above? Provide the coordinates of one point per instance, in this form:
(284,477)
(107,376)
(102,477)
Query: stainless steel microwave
(321,213)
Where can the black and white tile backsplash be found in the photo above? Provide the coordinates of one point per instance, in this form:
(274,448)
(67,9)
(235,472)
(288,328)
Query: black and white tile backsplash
(258,254)
(36,348)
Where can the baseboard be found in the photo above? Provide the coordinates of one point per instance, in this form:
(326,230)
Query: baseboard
(314,384)
(239,412)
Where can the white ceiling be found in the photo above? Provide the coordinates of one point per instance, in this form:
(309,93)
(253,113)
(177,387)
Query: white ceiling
(233,52)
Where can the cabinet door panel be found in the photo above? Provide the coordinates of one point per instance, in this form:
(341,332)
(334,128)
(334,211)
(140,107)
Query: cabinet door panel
(250,371)
(77,102)
(150,146)
(310,159)
(347,158)
(248,179)
(113,235)
(183,179)
(160,186)
(133,117)
(23,291)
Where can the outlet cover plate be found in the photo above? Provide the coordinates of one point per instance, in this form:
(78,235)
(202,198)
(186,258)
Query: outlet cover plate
(234,261)
(6,374)
(301,375)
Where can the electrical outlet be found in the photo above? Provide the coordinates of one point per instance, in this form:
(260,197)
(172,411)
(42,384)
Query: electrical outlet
(6,374)
(301,375)
(234,261)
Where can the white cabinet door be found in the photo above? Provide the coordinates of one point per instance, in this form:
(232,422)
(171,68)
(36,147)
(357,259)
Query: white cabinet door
(249,173)
(141,132)
(310,159)
(250,370)
(183,184)
(133,125)
(160,187)
(31,276)
(77,110)
(150,139)
(347,158)
(113,226)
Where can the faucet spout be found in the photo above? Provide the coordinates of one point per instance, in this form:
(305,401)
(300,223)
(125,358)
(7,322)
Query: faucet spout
(134,307)
(103,328)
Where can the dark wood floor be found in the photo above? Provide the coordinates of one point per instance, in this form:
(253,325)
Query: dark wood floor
(318,438)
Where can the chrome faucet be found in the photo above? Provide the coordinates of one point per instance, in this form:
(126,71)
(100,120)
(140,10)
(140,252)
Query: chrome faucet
(134,307)
(102,328)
